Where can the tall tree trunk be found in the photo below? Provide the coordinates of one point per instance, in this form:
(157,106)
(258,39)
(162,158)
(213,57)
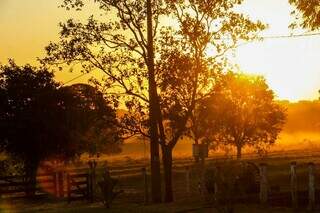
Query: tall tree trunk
(167,167)
(239,149)
(154,141)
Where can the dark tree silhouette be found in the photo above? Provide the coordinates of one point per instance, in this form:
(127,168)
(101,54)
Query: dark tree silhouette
(242,113)
(124,52)
(40,120)
(27,102)
(90,119)
(189,72)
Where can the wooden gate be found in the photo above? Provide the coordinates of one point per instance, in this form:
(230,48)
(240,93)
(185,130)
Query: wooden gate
(78,186)
(17,186)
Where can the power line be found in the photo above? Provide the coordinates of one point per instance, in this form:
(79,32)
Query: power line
(75,78)
(281,37)
(291,36)
(263,37)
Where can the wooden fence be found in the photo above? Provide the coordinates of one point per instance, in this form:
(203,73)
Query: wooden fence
(19,186)
(81,183)
(293,190)
(297,193)
(73,185)
(78,187)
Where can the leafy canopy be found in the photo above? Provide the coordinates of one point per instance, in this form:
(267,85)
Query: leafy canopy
(115,43)
(242,112)
(307,14)
(40,119)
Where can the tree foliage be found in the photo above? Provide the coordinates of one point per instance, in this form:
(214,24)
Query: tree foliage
(116,43)
(91,120)
(243,113)
(208,30)
(118,48)
(307,14)
(40,119)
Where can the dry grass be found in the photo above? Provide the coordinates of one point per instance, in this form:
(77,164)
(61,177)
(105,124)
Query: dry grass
(178,207)
(132,199)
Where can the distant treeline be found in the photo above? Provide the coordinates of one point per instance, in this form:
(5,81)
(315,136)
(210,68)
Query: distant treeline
(303,116)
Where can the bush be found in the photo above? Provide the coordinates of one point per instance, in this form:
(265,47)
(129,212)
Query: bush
(10,167)
(231,181)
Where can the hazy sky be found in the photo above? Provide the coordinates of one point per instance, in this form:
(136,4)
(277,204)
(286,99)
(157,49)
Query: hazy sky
(291,66)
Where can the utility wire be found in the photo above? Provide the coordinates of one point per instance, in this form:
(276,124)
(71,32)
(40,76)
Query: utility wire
(263,37)
(291,36)
(75,78)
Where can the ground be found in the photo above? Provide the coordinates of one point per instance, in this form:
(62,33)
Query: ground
(132,200)
(83,207)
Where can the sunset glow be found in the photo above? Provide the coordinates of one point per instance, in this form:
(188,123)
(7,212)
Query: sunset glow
(291,66)
(159,106)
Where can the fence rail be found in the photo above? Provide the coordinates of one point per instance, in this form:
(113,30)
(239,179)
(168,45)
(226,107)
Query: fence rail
(81,182)
(19,186)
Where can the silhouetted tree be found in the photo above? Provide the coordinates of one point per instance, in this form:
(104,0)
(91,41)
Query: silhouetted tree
(119,48)
(40,120)
(91,121)
(27,102)
(243,113)
(191,60)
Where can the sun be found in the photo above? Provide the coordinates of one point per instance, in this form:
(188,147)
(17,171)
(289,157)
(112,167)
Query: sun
(290,67)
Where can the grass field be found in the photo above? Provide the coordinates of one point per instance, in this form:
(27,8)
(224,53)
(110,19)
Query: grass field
(178,207)
(132,200)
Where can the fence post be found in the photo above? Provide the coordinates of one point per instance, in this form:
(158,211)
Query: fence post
(263,183)
(216,191)
(92,178)
(60,184)
(55,184)
(88,179)
(188,179)
(202,183)
(69,188)
(311,186)
(145,180)
(293,183)
(216,183)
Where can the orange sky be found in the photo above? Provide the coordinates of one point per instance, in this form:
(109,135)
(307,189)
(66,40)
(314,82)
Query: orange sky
(291,66)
